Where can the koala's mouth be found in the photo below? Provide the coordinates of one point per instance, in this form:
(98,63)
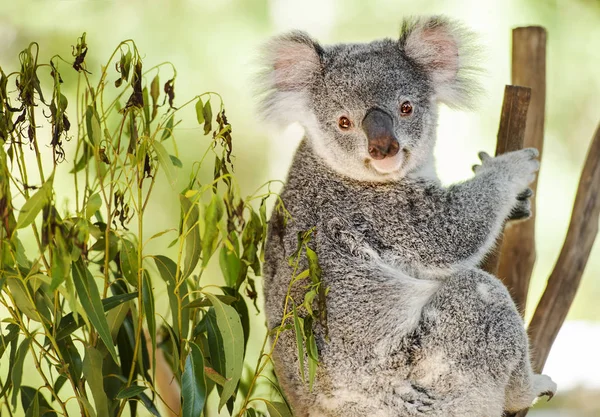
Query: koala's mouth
(388,165)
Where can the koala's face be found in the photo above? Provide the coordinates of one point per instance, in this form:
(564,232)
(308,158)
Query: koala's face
(370,110)
(374,111)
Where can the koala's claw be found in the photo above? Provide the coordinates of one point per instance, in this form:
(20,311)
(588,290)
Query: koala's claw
(548,394)
(522,208)
(544,385)
(524,195)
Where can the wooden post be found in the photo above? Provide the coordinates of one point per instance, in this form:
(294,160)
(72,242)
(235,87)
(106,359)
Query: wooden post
(518,246)
(511,135)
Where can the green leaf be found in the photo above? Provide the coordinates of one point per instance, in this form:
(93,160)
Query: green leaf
(168,129)
(148,303)
(229,260)
(129,392)
(17,369)
(61,260)
(35,404)
(165,162)
(313,266)
(193,383)
(181,317)
(34,408)
(72,358)
(87,406)
(207,115)
(92,123)
(278,409)
(22,300)
(299,341)
(68,324)
(214,376)
(92,370)
(35,204)
(192,234)
(230,328)
(212,216)
(200,111)
(252,237)
(11,336)
(86,155)
(93,205)
(92,304)
(311,347)
(129,261)
(176,161)
(204,302)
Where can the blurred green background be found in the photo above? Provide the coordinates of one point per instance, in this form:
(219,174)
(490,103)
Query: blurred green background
(214,44)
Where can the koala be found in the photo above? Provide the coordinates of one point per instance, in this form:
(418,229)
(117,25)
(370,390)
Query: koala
(415,328)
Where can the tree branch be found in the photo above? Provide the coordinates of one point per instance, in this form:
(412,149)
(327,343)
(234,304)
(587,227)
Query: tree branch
(511,135)
(518,247)
(565,278)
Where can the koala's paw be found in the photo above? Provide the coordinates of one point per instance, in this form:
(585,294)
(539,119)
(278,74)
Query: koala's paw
(518,168)
(544,386)
(522,207)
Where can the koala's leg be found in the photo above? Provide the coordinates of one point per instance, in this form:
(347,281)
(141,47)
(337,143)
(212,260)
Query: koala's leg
(524,387)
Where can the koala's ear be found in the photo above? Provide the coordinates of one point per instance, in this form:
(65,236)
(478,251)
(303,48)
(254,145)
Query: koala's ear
(292,62)
(445,51)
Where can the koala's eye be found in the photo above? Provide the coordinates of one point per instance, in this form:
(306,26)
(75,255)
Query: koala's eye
(344,123)
(406,108)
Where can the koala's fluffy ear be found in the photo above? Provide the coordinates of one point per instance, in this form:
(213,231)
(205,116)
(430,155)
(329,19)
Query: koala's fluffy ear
(445,51)
(292,63)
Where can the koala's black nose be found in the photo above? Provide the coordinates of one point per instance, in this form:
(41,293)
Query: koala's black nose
(379,128)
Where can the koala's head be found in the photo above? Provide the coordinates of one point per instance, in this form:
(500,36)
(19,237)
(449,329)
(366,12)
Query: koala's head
(370,110)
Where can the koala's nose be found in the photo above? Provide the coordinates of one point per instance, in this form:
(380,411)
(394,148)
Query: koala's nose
(379,128)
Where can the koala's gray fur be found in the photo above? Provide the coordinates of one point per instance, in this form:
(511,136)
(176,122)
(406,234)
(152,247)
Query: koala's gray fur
(415,328)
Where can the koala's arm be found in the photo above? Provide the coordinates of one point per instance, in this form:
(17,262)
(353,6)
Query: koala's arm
(444,228)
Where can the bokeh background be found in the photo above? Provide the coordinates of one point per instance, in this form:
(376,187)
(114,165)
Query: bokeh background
(214,45)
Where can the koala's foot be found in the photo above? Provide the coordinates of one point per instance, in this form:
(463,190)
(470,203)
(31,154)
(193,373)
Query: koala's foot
(544,386)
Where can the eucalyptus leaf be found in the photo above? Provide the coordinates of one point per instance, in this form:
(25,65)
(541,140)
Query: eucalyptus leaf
(165,162)
(299,341)
(212,216)
(93,205)
(200,111)
(148,304)
(176,293)
(129,261)
(191,215)
(193,385)
(92,304)
(68,324)
(278,409)
(168,129)
(92,122)
(229,260)
(34,205)
(230,328)
(22,298)
(207,116)
(131,391)
(92,370)
(61,260)
(17,369)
